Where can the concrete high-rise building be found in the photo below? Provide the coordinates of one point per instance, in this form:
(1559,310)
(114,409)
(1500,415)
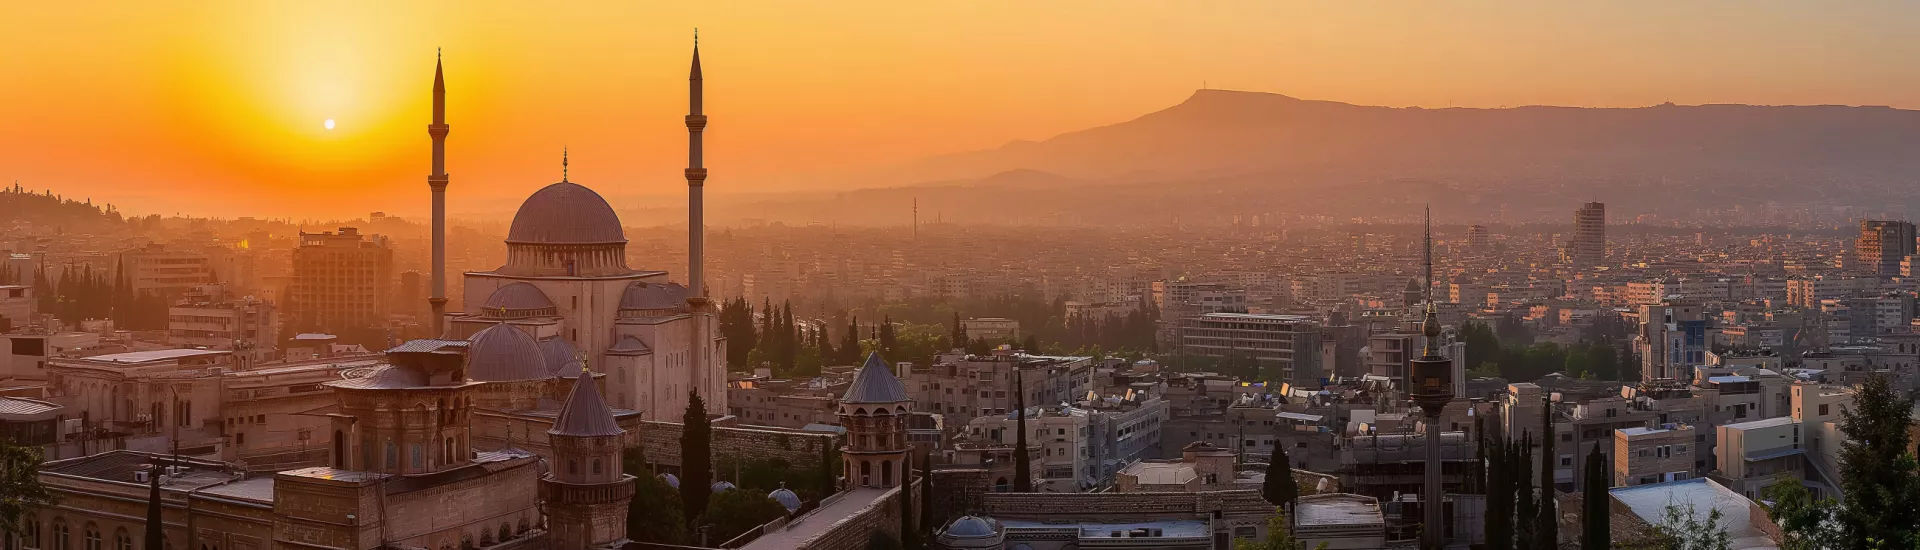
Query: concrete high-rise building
(1882,245)
(1477,238)
(168,273)
(1672,340)
(1589,245)
(341,281)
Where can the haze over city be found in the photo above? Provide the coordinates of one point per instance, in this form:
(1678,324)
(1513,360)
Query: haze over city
(967,276)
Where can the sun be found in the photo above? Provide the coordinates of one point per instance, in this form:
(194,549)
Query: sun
(328,124)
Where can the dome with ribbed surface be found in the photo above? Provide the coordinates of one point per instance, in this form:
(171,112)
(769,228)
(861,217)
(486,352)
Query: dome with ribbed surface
(501,353)
(875,383)
(585,414)
(786,498)
(672,480)
(517,301)
(655,296)
(973,527)
(565,213)
(561,356)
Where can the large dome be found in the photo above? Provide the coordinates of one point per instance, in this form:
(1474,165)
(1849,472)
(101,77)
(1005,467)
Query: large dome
(565,213)
(501,353)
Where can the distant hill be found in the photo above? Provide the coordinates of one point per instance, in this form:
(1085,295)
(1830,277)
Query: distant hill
(18,205)
(1218,133)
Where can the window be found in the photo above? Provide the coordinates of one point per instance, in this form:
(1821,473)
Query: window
(93,537)
(1823,409)
(61,540)
(419,458)
(122,540)
(596,466)
(573,466)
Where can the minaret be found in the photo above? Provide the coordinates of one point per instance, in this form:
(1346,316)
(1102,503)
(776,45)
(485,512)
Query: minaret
(1431,387)
(696,238)
(438,183)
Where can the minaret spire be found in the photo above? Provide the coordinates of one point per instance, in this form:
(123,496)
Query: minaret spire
(698,361)
(1430,326)
(563,165)
(437,182)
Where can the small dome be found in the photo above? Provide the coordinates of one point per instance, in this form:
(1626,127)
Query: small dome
(973,527)
(722,486)
(644,296)
(786,498)
(672,480)
(515,301)
(565,213)
(501,353)
(563,360)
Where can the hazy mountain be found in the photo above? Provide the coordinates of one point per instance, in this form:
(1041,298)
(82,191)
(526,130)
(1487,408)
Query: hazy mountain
(1218,133)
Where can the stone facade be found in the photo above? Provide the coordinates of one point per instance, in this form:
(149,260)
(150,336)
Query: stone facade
(660,444)
(1235,514)
(852,532)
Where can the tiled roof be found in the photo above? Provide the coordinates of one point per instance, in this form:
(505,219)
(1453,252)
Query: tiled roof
(875,383)
(585,414)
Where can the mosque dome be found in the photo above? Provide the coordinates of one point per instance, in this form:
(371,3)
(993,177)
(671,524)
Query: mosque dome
(786,498)
(565,213)
(643,299)
(722,486)
(672,480)
(562,358)
(517,301)
(973,527)
(501,353)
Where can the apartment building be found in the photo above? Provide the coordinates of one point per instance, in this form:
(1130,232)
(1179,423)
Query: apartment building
(1643,456)
(1289,345)
(341,281)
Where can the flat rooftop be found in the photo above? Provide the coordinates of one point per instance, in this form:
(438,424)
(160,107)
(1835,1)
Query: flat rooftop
(1650,503)
(1171,528)
(1338,509)
(1763,423)
(132,357)
(1258,317)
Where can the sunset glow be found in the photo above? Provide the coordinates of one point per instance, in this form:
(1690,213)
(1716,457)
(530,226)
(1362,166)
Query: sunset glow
(222,97)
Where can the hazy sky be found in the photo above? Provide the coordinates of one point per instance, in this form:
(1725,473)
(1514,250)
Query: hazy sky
(217,108)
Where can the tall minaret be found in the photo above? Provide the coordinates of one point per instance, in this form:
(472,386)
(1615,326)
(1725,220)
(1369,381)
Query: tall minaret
(438,183)
(696,239)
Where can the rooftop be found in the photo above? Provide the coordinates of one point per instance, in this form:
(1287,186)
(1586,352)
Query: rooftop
(132,357)
(1339,509)
(1161,473)
(1172,528)
(1650,503)
(1764,423)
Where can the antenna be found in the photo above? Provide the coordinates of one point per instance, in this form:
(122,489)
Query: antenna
(1428,243)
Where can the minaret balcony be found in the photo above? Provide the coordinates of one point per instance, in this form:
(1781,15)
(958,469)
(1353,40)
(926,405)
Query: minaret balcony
(597,493)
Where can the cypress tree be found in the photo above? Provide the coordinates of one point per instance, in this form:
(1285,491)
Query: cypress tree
(1546,527)
(909,537)
(1279,488)
(1594,503)
(1022,464)
(1526,506)
(886,335)
(1499,519)
(928,523)
(850,345)
(696,460)
(959,336)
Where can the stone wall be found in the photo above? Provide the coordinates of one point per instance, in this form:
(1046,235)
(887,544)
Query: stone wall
(853,532)
(660,442)
(1236,513)
(957,492)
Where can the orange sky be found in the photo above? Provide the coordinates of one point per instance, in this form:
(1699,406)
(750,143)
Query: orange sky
(216,108)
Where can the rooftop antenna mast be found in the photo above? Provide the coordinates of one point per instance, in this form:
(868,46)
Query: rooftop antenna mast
(1428,244)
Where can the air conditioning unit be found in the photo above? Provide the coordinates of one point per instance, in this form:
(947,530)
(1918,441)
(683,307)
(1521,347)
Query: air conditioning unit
(140,476)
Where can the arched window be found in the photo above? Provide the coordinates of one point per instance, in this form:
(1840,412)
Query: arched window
(419,458)
(393,456)
(31,535)
(866,473)
(1000,485)
(886,473)
(506,531)
(339,450)
(93,536)
(122,540)
(62,538)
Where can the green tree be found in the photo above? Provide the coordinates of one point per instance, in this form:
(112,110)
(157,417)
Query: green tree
(909,537)
(1278,537)
(1498,462)
(696,459)
(1022,463)
(1546,525)
(20,490)
(1595,532)
(928,521)
(654,515)
(850,344)
(1807,523)
(1279,488)
(732,513)
(1526,506)
(1684,529)
(1877,469)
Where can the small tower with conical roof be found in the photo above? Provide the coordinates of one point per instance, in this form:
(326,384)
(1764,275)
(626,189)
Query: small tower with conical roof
(874,411)
(585,491)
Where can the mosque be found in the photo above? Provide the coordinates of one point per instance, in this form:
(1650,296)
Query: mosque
(566,292)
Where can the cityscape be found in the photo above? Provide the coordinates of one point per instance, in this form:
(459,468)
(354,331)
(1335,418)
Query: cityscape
(1664,313)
